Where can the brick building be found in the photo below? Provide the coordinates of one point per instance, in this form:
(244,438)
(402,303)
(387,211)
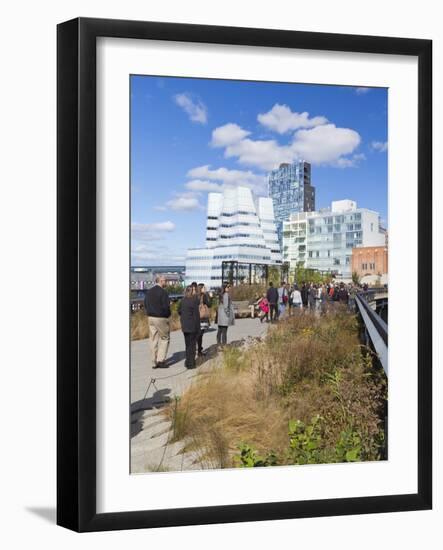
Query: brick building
(370,260)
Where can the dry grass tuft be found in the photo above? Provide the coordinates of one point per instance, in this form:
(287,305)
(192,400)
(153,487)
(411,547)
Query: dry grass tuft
(306,366)
(140,323)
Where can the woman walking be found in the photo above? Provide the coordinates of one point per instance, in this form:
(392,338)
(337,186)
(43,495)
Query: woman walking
(225,315)
(204,312)
(263,306)
(190,323)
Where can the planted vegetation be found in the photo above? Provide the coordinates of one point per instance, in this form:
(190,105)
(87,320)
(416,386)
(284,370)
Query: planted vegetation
(140,321)
(308,394)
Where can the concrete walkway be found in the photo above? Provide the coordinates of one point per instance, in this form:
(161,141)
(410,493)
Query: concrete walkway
(152,389)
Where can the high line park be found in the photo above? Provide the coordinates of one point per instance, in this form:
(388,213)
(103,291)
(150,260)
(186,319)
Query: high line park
(235,408)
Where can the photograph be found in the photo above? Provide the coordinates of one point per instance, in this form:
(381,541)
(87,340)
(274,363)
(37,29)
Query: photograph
(258,274)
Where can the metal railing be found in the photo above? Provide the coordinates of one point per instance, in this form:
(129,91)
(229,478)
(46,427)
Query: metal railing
(376,328)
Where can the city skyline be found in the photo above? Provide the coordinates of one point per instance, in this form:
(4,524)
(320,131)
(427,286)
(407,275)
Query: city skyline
(193,136)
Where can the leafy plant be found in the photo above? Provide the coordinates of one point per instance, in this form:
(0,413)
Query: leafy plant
(349,446)
(305,441)
(249,458)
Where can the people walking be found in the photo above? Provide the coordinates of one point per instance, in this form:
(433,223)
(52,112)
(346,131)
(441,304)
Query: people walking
(272,297)
(263,306)
(225,315)
(343,295)
(324,296)
(157,308)
(282,299)
(188,310)
(204,312)
(296,299)
(312,294)
(304,294)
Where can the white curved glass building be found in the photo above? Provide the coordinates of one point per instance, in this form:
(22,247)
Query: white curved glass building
(239,228)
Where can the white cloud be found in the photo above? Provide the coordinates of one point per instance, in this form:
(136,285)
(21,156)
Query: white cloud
(325,144)
(351,162)
(228,134)
(150,231)
(186,202)
(380,146)
(322,144)
(264,154)
(228,177)
(158,226)
(362,91)
(196,110)
(281,119)
(152,253)
(203,185)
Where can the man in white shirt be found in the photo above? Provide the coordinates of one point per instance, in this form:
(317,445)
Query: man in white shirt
(297,302)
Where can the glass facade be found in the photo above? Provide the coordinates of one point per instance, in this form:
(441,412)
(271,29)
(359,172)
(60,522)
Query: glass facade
(291,191)
(239,229)
(325,239)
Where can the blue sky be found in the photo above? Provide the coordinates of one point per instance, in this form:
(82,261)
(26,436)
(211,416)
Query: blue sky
(191,136)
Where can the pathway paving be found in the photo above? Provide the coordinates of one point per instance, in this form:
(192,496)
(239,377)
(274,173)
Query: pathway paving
(152,389)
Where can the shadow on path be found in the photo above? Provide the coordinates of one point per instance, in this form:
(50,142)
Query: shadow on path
(175,358)
(157,401)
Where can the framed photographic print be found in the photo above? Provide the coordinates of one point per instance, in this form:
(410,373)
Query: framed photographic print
(244,274)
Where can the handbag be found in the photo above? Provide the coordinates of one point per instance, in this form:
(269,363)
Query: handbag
(203,310)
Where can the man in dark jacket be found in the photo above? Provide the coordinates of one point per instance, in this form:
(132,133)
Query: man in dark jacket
(304,294)
(272,297)
(343,295)
(157,308)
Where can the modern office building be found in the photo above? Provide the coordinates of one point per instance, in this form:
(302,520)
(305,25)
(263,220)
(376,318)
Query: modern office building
(239,229)
(291,191)
(325,239)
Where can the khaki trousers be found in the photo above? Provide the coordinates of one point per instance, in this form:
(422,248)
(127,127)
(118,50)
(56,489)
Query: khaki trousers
(159,337)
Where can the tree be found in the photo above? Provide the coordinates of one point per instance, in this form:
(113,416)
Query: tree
(355,278)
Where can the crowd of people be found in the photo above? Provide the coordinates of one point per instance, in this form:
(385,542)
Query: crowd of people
(289,299)
(194,312)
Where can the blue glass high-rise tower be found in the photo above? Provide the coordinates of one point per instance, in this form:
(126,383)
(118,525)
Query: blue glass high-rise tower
(291,191)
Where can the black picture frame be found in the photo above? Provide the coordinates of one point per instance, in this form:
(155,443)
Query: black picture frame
(76,265)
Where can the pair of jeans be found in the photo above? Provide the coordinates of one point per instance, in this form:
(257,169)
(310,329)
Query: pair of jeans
(222,335)
(190,342)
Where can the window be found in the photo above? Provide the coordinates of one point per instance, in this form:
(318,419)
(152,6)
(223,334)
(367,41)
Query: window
(336,261)
(318,254)
(372,227)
